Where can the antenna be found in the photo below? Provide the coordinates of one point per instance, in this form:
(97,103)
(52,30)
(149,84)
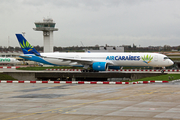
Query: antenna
(82,44)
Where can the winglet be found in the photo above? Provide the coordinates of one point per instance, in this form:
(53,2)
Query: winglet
(25,46)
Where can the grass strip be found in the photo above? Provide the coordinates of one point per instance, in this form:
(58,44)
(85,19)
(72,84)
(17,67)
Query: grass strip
(44,68)
(6,77)
(167,77)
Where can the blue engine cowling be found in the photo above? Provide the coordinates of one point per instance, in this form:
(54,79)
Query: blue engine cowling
(99,66)
(114,67)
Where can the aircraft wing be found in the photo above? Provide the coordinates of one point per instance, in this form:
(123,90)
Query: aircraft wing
(80,61)
(73,60)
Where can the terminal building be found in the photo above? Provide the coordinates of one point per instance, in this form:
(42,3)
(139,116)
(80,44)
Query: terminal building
(10,54)
(108,49)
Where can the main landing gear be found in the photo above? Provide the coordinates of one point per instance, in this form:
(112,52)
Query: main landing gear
(88,70)
(85,70)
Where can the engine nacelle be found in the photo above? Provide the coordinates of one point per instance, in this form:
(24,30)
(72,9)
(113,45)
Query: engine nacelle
(99,66)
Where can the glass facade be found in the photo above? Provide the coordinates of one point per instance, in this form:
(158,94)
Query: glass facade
(45,25)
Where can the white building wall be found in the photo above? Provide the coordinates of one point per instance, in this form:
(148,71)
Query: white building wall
(48,41)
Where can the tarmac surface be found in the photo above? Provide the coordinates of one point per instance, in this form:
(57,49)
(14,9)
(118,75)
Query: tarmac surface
(157,101)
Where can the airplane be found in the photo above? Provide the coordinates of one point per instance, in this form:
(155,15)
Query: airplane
(95,61)
(8,60)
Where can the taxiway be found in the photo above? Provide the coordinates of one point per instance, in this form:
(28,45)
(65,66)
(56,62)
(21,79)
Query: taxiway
(78,102)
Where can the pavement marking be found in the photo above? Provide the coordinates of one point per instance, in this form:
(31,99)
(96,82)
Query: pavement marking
(60,109)
(82,82)
(19,116)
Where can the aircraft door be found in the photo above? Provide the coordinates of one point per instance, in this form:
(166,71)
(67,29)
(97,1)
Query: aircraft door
(156,58)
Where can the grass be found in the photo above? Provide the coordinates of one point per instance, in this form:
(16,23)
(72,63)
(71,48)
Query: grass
(6,77)
(167,77)
(43,68)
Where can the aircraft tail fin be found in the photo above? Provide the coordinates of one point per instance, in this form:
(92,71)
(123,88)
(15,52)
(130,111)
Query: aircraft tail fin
(25,46)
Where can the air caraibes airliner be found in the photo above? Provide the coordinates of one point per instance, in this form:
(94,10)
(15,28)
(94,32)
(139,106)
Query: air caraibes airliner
(96,61)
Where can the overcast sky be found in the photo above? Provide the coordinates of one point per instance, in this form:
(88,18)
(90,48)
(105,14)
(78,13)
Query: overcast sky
(112,22)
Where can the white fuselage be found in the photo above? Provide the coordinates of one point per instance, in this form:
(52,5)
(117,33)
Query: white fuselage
(7,60)
(113,59)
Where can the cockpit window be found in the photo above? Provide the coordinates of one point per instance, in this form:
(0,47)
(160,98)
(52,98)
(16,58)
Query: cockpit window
(166,58)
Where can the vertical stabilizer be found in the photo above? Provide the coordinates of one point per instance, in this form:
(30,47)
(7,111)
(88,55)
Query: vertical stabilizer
(25,46)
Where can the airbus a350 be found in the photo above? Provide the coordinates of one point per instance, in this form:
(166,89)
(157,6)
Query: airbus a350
(95,61)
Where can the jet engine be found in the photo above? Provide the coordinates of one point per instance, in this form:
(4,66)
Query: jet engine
(99,66)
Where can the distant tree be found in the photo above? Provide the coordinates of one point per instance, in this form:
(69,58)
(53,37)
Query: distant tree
(10,48)
(167,48)
(38,48)
(96,46)
(178,48)
(17,49)
(1,49)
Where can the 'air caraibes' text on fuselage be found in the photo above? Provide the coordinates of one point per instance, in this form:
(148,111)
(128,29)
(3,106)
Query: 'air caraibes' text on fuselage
(123,58)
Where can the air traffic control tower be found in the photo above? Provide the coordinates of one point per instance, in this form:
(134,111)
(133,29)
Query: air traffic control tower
(47,26)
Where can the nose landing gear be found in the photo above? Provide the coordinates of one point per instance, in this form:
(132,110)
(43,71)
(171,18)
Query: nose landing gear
(163,69)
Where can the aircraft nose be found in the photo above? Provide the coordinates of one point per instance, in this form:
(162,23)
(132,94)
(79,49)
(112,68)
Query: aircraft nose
(171,62)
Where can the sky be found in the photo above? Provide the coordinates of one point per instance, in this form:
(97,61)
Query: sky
(93,22)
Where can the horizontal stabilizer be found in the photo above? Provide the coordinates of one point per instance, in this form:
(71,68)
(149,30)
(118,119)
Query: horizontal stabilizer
(24,56)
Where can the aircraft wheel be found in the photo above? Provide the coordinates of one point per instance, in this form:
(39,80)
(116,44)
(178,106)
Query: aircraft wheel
(91,70)
(162,71)
(84,71)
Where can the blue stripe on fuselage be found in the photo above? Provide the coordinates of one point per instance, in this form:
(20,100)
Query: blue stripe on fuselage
(37,59)
(41,60)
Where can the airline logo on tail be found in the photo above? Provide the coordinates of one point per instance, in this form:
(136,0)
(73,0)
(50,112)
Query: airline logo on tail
(147,59)
(25,46)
